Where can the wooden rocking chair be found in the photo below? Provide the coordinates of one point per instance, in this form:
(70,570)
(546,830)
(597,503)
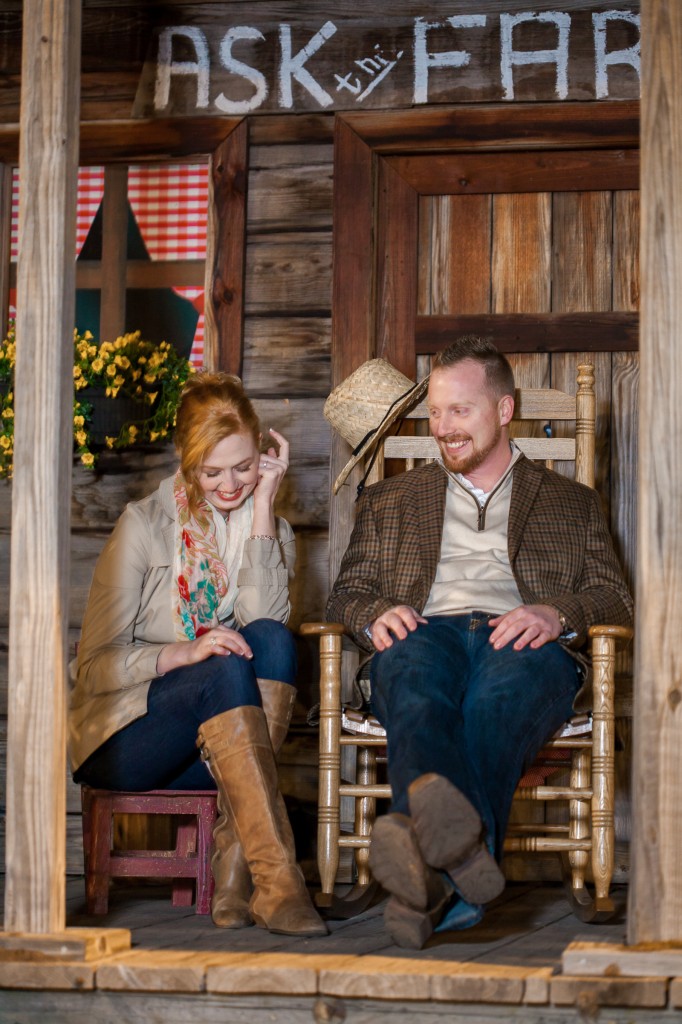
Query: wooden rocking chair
(585,745)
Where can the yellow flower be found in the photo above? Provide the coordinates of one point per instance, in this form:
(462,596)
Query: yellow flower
(122,361)
(80,383)
(8,414)
(118,380)
(98,364)
(110,441)
(78,421)
(87,458)
(111,370)
(81,437)
(4,441)
(153,434)
(76,372)
(149,378)
(151,397)
(133,430)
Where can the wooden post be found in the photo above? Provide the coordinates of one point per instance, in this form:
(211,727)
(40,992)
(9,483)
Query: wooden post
(41,499)
(112,318)
(655,897)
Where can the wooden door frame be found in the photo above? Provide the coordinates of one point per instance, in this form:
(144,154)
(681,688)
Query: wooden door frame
(225,141)
(380,172)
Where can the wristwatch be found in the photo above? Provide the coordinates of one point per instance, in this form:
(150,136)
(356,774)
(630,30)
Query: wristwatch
(566,632)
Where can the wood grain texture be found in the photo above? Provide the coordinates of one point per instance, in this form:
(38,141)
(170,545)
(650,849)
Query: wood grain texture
(520,275)
(533,171)
(35,854)
(5,235)
(225,247)
(286,198)
(396,299)
(114,252)
(655,897)
(535,332)
(460,254)
(290,274)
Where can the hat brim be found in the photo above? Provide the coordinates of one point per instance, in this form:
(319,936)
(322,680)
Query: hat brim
(398,409)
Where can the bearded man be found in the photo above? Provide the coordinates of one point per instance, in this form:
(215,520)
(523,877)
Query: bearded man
(473,581)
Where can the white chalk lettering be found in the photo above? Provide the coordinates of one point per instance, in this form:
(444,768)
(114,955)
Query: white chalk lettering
(166,66)
(293,67)
(510,57)
(370,66)
(604,60)
(423,60)
(230,63)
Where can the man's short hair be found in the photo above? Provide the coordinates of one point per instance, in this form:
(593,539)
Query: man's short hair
(498,372)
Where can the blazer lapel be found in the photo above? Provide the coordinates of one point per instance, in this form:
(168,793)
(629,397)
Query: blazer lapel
(431,525)
(524,489)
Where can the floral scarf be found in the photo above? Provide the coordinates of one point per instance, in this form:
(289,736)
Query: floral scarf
(201,574)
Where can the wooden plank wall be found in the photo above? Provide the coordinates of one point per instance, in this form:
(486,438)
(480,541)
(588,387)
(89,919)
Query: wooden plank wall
(515,253)
(286,368)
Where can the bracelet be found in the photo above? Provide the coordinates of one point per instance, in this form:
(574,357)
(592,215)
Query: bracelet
(262,536)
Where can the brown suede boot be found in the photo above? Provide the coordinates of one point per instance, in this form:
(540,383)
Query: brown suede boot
(233,885)
(236,746)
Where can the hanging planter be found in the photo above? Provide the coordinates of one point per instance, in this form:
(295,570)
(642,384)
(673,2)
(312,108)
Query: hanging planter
(126,394)
(107,416)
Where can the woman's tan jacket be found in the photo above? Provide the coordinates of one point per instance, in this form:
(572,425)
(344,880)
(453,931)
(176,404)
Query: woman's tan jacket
(129,615)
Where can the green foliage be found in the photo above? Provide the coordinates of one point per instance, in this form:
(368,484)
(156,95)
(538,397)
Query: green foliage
(148,373)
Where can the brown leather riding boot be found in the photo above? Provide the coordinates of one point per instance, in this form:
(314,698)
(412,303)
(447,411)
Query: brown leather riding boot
(237,748)
(233,885)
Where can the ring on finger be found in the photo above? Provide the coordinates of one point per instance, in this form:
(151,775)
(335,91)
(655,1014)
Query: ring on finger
(213,641)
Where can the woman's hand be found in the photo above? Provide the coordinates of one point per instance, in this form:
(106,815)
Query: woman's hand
(271,469)
(220,641)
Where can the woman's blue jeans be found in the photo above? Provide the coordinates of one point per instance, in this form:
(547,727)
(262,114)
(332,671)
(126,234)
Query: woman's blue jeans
(158,751)
(452,704)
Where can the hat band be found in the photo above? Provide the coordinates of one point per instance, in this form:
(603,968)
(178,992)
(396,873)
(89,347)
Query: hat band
(370,433)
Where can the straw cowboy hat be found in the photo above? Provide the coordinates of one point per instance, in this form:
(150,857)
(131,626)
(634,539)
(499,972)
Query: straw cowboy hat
(364,407)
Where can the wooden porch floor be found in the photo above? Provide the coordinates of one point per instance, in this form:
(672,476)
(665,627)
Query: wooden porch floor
(181,968)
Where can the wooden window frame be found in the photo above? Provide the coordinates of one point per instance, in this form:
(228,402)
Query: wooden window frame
(225,141)
(381,170)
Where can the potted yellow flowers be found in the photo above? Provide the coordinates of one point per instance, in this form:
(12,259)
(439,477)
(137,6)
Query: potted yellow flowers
(126,392)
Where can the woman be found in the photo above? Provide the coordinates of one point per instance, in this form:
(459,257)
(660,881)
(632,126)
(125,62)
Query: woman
(185,664)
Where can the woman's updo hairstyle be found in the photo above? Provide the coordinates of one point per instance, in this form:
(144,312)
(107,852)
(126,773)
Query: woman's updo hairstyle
(212,406)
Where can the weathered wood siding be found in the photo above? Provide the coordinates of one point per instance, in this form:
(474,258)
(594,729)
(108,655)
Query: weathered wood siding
(541,252)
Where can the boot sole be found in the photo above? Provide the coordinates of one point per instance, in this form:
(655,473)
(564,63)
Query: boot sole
(410,928)
(396,861)
(313,930)
(449,830)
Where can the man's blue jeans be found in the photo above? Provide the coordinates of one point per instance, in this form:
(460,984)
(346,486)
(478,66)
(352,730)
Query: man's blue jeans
(158,751)
(452,704)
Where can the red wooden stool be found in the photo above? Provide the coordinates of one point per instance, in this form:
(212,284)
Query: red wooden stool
(188,865)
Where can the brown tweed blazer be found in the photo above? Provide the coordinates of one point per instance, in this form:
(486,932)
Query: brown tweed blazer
(560,551)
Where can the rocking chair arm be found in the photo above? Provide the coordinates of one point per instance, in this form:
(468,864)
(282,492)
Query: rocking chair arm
(617,632)
(323,629)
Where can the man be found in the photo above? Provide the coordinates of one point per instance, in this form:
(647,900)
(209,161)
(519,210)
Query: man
(473,580)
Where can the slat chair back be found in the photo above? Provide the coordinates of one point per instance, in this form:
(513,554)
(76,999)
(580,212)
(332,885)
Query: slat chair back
(545,405)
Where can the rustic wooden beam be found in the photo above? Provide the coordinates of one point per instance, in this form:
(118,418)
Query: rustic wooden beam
(225,252)
(446,129)
(39,591)
(353,279)
(525,171)
(397,248)
(143,274)
(655,894)
(114,252)
(5,236)
(533,332)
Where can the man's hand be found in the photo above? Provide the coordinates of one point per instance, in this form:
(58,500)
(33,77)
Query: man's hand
(399,621)
(534,624)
